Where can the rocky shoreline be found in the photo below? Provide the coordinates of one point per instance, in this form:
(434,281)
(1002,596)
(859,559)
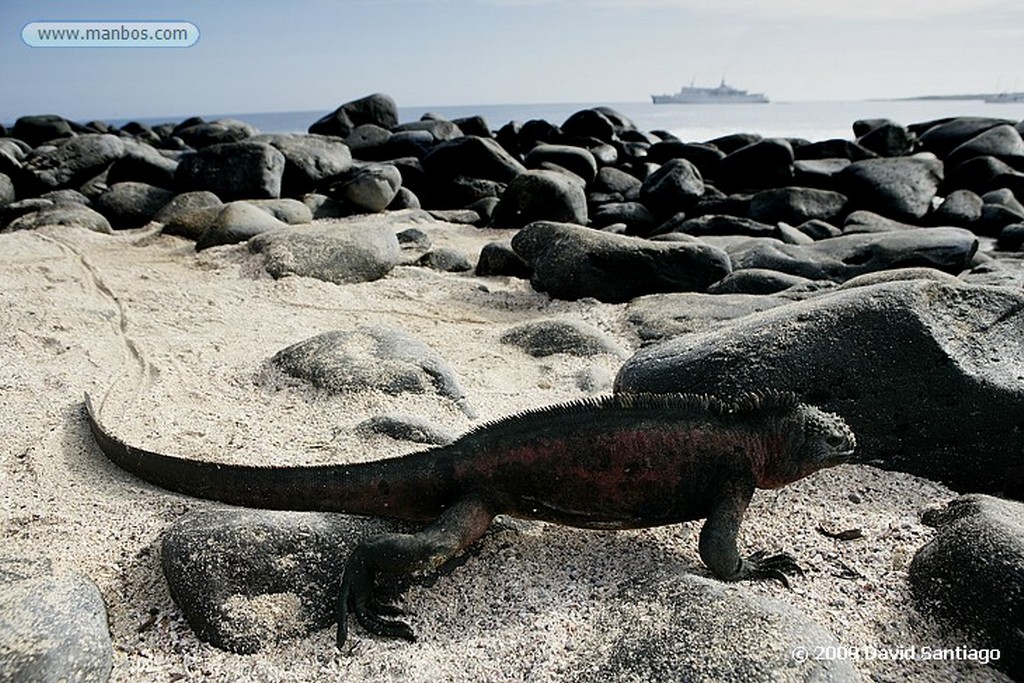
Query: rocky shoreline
(470,273)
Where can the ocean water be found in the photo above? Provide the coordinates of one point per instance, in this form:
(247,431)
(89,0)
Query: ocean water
(808,120)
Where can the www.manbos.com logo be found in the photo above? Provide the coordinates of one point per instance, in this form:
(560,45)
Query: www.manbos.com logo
(110,34)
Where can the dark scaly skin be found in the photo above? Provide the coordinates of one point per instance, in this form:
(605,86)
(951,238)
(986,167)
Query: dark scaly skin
(620,462)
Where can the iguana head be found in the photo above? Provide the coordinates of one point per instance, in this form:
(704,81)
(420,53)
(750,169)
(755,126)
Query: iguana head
(815,440)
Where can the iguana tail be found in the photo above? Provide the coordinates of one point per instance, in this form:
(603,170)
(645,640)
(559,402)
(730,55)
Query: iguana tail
(400,488)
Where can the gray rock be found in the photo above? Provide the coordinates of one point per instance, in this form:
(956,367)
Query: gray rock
(498,258)
(143,164)
(474,157)
(6,190)
(611,180)
(676,186)
(131,204)
(369,189)
(1011,237)
(73,161)
(840,258)
(715,224)
(370,358)
(53,628)
(290,211)
(796,205)
(883,137)
(756,281)
(574,159)
(926,373)
(547,337)
(540,196)
(40,128)
(406,428)
(377,109)
(688,628)
(942,138)
(863,221)
(637,218)
(233,170)
(761,165)
(1002,142)
(208,133)
(661,316)
(901,188)
(446,260)
(71,215)
(961,208)
(186,201)
(338,251)
(971,575)
(309,160)
(571,262)
(246,579)
(235,222)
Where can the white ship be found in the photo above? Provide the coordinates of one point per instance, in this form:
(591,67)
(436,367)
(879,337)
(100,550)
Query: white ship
(723,94)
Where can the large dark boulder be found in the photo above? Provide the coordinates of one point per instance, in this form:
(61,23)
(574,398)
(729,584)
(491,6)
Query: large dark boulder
(885,138)
(676,186)
(589,123)
(943,137)
(1001,142)
(378,109)
(761,165)
(472,156)
(308,160)
(368,189)
(233,170)
(216,132)
(971,575)
(901,188)
(40,128)
(143,164)
(73,161)
(234,222)
(571,262)
(132,205)
(926,373)
(574,159)
(541,196)
(796,205)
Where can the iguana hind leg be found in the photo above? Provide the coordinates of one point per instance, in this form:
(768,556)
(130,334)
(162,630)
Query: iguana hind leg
(718,545)
(458,527)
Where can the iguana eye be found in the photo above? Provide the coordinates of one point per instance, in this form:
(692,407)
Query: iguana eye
(834,440)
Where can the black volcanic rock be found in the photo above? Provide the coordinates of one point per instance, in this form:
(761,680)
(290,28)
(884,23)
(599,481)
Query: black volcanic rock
(571,262)
(761,165)
(472,156)
(901,188)
(378,109)
(540,196)
(233,170)
(926,373)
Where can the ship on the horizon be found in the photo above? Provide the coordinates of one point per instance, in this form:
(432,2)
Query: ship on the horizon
(723,94)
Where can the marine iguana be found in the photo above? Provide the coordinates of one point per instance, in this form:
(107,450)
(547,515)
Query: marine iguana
(624,461)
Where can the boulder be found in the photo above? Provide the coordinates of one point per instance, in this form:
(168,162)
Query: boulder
(309,160)
(689,628)
(206,133)
(796,205)
(472,156)
(761,165)
(73,161)
(235,222)
(901,188)
(886,139)
(132,204)
(248,579)
(571,262)
(661,316)
(233,170)
(1000,142)
(574,159)
(757,281)
(53,628)
(368,189)
(542,338)
(143,164)
(290,211)
(971,575)
(7,194)
(943,137)
(961,208)
(926,373)
(498,258)
(841,258)
(38,129)
(377,109)
(589,123)
(371,358)
(676,186)
(341,252)
(540,196)
(70,215)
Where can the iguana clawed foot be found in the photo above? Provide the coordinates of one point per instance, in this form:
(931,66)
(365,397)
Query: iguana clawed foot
(357,595)
(761,565)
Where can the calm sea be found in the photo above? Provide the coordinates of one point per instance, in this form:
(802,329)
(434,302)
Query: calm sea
(693,122)
(809,120)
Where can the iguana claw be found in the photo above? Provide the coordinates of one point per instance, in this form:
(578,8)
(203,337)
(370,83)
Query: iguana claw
(761,565)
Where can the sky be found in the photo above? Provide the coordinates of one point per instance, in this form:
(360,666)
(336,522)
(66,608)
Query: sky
(313,55)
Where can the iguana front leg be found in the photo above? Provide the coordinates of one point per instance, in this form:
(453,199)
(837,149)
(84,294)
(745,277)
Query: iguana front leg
(718,544)
(458,527)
